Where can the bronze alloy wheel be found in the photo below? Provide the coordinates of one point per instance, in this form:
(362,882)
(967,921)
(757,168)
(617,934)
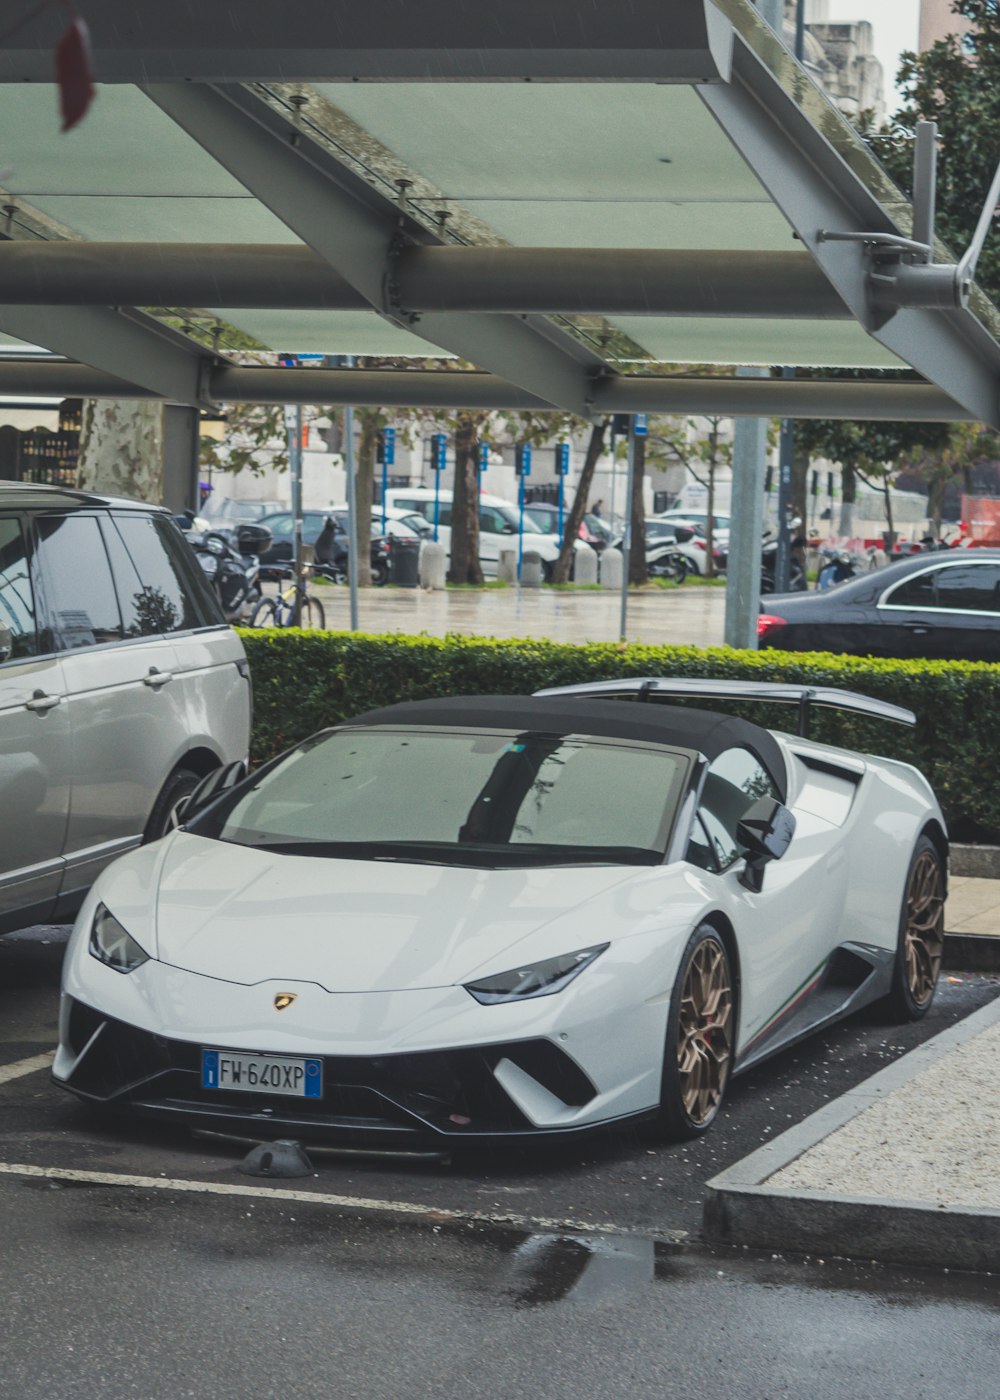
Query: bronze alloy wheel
(705,1032)
(923,933)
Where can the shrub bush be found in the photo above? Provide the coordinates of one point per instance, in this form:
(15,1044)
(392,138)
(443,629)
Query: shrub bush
(304,681)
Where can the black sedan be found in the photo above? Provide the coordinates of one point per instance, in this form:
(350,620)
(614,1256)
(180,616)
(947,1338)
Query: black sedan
(945,606)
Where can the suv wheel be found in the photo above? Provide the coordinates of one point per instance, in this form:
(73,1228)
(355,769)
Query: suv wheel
(166,815)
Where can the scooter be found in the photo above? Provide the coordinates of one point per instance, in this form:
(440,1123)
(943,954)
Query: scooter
(839,565)
(768,563)
(230,560)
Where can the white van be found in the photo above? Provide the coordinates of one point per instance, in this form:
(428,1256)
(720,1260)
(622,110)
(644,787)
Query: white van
(121,687)
(499,523)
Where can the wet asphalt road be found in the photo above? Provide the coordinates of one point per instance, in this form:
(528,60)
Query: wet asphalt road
(131,1291)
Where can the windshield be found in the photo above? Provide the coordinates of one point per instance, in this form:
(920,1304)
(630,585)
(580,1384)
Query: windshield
(459,797)
(513,517)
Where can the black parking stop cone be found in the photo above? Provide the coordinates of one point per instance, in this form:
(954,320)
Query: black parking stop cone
(282,1158)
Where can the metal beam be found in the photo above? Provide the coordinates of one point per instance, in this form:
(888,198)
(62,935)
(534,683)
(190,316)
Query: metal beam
(123,343)
(818,192)
(547,281)
(357,231)
(876,400)
(325,40)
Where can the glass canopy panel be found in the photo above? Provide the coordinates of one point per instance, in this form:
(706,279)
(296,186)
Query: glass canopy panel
(328,332)
(721,341)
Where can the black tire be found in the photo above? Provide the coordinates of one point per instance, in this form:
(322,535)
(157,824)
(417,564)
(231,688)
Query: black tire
(164,816)
(263,614)
(698,1053)
(680,569)
(920,941)
(312,615)
(380,574)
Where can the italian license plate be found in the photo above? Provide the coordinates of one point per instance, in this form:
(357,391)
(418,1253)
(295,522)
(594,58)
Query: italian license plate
(262,1074)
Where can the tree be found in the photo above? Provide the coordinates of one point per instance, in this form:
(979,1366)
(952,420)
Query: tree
(571,529)
(465,563)
(121,448)
(868,450)
(701,453)
(968,446)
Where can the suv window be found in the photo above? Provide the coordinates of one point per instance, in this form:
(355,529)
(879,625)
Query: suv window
(733,783)
(168,586)
(17,604)
(492,521)
(80,600)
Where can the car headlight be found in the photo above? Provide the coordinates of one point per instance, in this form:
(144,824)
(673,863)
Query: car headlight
(111,945)
(541,979)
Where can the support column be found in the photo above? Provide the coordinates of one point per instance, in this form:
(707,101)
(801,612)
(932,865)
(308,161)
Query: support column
(181,426)
(746,526)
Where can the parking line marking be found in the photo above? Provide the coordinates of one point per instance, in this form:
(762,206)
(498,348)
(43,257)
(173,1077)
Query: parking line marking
(22,1067)
(437,1214)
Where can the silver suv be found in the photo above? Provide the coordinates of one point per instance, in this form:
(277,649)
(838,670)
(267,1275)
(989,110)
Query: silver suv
(121,686)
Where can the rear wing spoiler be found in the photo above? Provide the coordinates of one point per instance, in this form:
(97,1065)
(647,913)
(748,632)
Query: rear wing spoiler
(691,688)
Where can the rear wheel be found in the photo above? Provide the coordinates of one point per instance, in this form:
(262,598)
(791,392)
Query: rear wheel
(921,934)
(263,614)
(699,1046)
(167,812)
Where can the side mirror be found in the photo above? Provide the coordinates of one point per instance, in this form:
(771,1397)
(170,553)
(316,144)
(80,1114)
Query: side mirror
(507,528)
(765,832)
(220,780)
(6,643)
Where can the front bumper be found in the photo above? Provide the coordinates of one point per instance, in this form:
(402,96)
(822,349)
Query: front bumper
(406,1101)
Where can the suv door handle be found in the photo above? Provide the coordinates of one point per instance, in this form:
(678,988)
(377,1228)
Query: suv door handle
(919,629)
(157,678)
(40,701)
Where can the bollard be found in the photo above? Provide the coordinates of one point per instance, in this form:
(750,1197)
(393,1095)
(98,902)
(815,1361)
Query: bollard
(585,565)
(507,566)
(611,568)
(433,562)
(531,570)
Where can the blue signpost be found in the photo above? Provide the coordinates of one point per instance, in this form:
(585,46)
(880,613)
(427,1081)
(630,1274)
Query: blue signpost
(484,457)
(439,458)
(522,465)
(388,458)
(562,467)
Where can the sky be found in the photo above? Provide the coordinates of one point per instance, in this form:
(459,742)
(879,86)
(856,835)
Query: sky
(895,23)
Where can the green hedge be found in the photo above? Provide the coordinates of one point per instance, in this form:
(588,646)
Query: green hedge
(304,681)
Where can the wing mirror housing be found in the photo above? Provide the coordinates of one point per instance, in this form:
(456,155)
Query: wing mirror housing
(217,782)
(6,643)
(765,833)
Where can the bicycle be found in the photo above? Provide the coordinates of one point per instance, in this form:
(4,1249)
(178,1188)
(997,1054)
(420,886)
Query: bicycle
(280,610)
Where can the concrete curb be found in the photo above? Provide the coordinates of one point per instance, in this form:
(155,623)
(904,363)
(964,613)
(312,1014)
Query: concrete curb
(741,1208)
(979,862)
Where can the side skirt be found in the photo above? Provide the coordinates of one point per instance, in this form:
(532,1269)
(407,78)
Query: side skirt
(854,975)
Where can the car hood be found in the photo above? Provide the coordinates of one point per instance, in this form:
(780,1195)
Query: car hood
(247,916)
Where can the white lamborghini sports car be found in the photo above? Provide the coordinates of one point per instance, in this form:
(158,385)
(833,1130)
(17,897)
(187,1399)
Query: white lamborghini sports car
(505,916)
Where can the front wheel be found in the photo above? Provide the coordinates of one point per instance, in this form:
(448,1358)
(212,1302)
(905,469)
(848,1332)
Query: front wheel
(168,813)
(921,935)
(311,614)
(699,1046)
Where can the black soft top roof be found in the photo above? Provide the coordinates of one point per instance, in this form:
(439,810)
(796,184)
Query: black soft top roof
(704,731)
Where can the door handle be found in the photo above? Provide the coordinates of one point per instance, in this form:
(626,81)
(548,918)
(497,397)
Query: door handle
(157,678)
(40,702)
(919,629)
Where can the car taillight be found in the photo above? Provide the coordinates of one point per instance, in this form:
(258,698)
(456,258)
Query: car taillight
(767,622)
(699,544)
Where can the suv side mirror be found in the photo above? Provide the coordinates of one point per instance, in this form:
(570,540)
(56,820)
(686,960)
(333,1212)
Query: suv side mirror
(220,780)
(765,831)
(6,643)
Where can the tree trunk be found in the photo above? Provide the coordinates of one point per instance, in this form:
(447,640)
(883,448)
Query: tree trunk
(713,447)
(890,542)
(364,488)
(573,521)
(935,502)
(121,448)
(849,494)
(465,562)
(638,574)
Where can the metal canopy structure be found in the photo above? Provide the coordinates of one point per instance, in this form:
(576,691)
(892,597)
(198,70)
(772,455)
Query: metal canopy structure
(577,200)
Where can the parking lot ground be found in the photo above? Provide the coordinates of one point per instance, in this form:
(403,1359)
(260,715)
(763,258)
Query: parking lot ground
(617,1182)
(677,616)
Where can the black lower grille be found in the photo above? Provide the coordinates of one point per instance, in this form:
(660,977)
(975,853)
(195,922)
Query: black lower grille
(447,1091)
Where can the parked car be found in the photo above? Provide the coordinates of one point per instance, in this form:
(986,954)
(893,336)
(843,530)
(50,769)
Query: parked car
(698,518)
(499,524)
(121,687)
(506,917)
(944,606)
(223,510)
(546,517)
